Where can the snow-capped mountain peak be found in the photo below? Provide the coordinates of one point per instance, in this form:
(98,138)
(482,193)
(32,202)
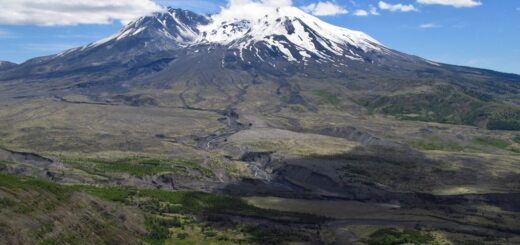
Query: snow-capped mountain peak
(290,30)
(175,24)
(287,21)
(285,34)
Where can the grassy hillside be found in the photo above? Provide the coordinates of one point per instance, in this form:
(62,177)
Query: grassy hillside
(446,104)
(39,212)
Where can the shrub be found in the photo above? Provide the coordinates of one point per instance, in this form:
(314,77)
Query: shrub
(182,236)
(159,228)
(505,120)
(512,125)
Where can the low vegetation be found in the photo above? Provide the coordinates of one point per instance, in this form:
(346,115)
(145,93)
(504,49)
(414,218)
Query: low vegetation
(170,217)
(517,139)
(328,97)
(160,201)
(436,145)
(137,166)
(393,236)
(14,182)
(159,228)
(443,105)
(494,142)
(39,212)
(446,105)
(505,120)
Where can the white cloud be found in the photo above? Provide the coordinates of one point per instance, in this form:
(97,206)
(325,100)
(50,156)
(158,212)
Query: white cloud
(429,26)
(269,3)
(324,9)
(396,7)
(201,6)
(264,3)
(255,9)
(73,12)
(361,12)
(249,9)
(373,10)
(454,3)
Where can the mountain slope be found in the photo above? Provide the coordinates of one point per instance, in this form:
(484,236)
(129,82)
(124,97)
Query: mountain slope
(285,45)
(4,65)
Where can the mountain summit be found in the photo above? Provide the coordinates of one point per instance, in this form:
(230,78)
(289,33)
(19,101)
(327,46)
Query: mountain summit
(288,31)
(275,40)
(296,35)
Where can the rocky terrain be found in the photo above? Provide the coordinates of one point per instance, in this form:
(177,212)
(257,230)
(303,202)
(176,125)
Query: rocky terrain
(274,129)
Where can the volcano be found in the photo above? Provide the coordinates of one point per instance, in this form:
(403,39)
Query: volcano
(274,110)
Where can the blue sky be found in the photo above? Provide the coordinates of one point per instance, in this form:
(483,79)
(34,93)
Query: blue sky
(479,33)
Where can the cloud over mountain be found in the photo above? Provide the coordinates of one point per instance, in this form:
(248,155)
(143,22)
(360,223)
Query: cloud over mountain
(325,9)
(396,7)
(73,12)
(454,3)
